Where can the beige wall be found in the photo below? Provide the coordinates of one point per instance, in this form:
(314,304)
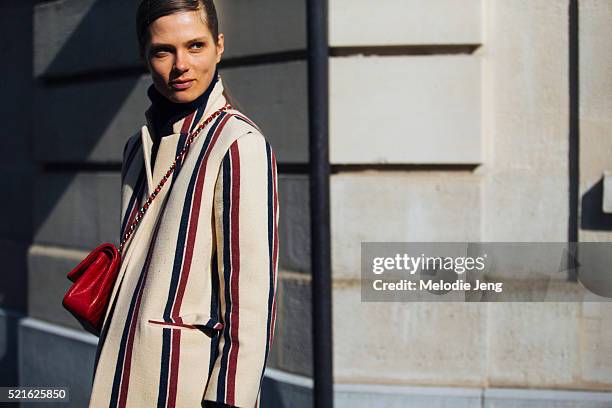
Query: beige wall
(502,110)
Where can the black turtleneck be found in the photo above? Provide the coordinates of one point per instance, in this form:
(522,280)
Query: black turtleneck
(165,113)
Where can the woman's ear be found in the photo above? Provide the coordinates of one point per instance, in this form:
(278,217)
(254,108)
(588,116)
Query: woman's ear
(220,47)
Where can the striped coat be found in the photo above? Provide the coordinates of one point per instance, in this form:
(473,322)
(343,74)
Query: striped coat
(193,309)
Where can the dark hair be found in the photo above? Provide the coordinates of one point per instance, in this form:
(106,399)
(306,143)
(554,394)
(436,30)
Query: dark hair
(151,10)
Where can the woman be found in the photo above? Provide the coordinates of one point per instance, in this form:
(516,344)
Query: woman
(192,313)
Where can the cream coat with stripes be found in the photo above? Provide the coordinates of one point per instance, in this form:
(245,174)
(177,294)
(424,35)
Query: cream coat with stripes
(193,310)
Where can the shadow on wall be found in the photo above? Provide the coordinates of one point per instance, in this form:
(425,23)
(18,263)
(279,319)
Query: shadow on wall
(593,217)
(87,71)
(85,66)
(16,165)
(284,394)
(9,348)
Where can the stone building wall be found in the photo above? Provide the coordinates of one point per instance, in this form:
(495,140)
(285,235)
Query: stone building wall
(449,121)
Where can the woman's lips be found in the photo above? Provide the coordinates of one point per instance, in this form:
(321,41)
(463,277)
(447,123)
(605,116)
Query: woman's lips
(182,85)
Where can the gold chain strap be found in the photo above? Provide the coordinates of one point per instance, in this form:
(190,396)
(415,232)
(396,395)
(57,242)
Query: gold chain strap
(181,157)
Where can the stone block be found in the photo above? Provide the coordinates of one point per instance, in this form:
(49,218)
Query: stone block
(77,210)
(394,396)
(525,398)
(275,96)
(400,206)
(88,121)
(13,278)
(405,109)
(294,223)
(16,186)
(595,347)
(537,200)
(47,270)
(281,389)
(533,345)
(402,22)
(51,356)
(408,343)
(294,325)
(9,347)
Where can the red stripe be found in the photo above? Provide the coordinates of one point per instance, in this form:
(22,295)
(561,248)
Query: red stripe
(135,208)
(127,362)
(235,273)
(174,368)
(187,122)
(193,225)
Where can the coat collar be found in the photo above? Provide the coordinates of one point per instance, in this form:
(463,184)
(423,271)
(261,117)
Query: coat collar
(215,102)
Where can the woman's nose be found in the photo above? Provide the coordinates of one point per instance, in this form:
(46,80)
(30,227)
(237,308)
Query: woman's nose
(180,63)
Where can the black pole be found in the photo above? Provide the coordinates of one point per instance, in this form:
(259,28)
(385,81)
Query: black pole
(574,132)
(318,114)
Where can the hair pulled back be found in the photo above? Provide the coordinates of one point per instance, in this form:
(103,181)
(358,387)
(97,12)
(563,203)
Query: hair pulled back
(151,10)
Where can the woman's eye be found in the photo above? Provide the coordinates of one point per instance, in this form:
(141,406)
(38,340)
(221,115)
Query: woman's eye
(160,53)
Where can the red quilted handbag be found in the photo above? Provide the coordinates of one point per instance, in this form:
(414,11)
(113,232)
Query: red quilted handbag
(94,277)
(93,281)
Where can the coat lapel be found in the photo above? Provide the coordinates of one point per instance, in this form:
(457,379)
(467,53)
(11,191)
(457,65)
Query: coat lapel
(147,146)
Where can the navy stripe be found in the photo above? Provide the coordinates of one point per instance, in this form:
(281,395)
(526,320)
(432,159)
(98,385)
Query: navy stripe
(271,219)
(128,162)
(165,369)
(214,312)
(248,122)
(133,150)
(197,117)
(136,195)
(214,295)
(124,338)
(182,233)
(125,146)
(181,143)
(227,269)
(179,165)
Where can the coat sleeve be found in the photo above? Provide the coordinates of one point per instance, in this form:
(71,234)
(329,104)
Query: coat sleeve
(123,206)
(130,186)
(246,224)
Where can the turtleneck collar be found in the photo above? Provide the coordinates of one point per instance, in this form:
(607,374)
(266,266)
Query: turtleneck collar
(164,112)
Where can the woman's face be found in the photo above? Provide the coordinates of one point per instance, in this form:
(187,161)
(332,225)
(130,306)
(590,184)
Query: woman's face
(182,55)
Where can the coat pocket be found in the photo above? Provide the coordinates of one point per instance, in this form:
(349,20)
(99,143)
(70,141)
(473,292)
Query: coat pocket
(194,321)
